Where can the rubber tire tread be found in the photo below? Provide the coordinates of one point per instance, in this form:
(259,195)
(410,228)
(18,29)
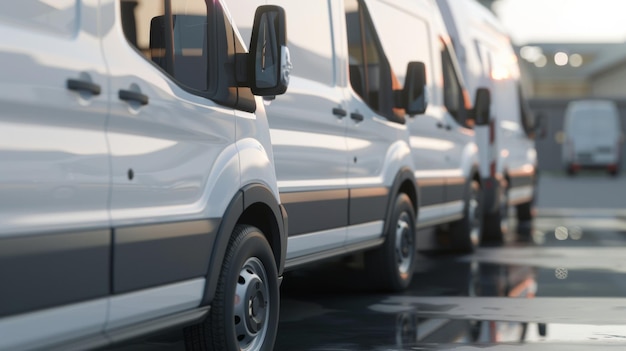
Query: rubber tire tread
(210,335)
(381,263)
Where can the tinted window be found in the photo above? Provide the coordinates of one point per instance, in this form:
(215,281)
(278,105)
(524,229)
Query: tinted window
(181,52)
(370,73)
(453,94)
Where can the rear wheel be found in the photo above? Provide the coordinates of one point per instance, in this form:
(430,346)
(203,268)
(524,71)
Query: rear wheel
(393,263)
(244,312)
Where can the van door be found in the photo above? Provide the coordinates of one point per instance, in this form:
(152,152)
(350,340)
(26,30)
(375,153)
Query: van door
(376,131)
(174,159)
(54,171)
(460,156)
(308,130)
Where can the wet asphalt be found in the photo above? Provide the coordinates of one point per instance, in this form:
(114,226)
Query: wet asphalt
(560,286)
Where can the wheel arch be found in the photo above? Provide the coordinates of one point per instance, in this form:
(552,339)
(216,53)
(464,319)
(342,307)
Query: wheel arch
(404,183)
(254,205)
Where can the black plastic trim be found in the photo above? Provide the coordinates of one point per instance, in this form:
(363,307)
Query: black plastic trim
(524,179)
(41,271)
(368,204)
(456,189)
(152,255)
(254,194)
(306,208)
(432,192)
(404,176)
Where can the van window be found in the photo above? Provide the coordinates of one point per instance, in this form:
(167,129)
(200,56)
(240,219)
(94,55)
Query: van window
(200,40)
(186,59)
(370,74)
(54,17)
(453,95)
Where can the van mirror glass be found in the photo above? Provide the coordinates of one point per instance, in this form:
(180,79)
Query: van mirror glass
(482,106)
(413,97)
(270,64)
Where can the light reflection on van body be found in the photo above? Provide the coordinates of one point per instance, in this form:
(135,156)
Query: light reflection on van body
(592,136)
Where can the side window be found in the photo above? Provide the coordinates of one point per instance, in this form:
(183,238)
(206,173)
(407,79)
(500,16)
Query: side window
(193,42)
(181,51)
(370,73)
(453,94)
(54,17)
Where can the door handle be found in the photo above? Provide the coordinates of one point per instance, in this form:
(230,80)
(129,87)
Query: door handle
(339,112)
(129,95)
(83,85)
(357,117)
(446,126)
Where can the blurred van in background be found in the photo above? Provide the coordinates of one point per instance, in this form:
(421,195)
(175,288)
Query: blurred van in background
(593,136)
(507,155)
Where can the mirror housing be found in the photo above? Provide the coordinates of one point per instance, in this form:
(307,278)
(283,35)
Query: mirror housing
(482,107)
(269,63)
(412,98)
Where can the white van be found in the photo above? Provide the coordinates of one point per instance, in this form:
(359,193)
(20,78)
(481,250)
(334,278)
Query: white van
(137,182)
(357,152)
(593,136)
(508,159)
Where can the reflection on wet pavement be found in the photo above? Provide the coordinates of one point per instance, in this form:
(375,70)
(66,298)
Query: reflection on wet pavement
(562,290)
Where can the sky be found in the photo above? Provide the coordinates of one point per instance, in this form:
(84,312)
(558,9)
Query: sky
(581,21)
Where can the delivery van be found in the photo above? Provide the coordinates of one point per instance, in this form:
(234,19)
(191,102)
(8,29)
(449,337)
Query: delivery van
(372,133)
(593,136)
(137,182)
(508,159)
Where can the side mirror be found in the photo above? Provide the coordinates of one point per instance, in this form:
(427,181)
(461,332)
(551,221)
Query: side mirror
(269,64)
(413,97)
(482,106)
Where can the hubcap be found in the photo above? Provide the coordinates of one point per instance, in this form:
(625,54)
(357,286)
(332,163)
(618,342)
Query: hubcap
(405,244)
(252,305)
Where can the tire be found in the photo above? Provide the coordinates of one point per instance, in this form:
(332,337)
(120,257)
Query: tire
(244,312)
(464,235)
(495,225)
(392,265)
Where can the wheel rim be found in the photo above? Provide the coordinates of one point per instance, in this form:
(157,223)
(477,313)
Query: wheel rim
(474,215)
(405,244)
(252,305)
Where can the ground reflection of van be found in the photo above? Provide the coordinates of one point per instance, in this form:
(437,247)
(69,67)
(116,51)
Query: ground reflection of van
(593,136)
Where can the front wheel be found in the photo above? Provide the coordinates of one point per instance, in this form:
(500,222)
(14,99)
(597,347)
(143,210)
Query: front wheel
(393,263)
(244,312)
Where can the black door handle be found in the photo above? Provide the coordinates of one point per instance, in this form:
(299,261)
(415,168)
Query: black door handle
(339,112)
(129,95)
(356,116)
(83,85)
(441,125)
